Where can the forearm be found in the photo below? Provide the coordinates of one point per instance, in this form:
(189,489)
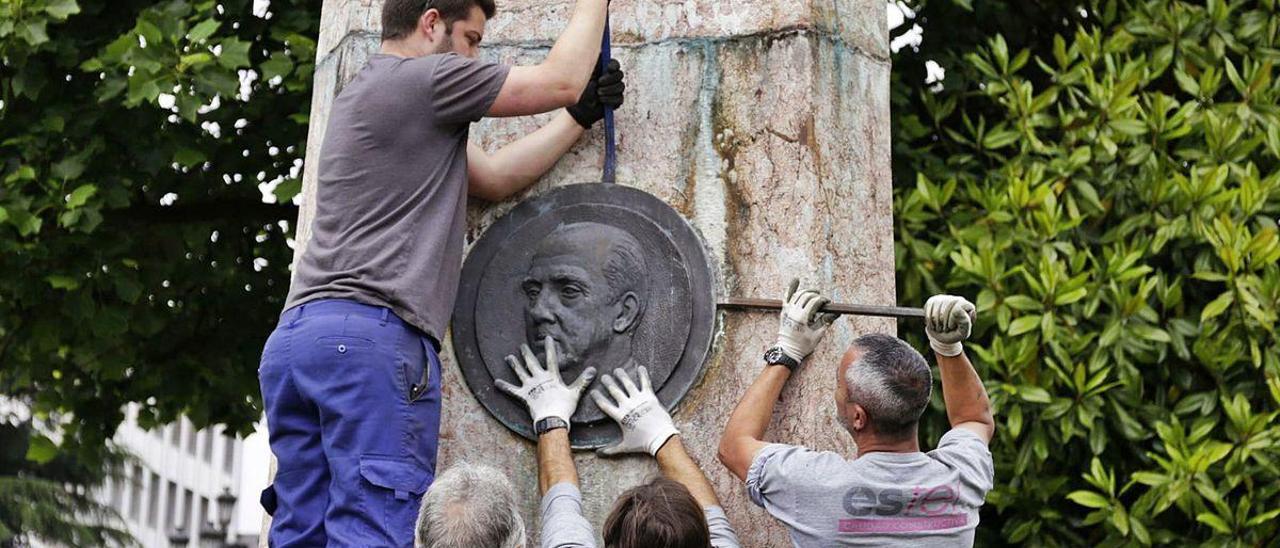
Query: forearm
(555,460)
(522,162)
(580,40)
(677,465)
(744,432)
(751,417)
(962,390)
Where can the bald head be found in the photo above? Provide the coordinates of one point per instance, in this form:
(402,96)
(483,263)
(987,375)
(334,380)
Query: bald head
(586,289)
(613,251)
(470,505)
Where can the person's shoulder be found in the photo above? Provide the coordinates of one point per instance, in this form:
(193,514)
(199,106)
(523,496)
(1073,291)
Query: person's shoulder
(967,453)
(961,448)
(961,438)
(779,469)
(383,69)
(797,459)
(451,61)
(425,63)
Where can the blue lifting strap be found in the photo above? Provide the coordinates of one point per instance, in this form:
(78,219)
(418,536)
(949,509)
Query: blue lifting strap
(610,143)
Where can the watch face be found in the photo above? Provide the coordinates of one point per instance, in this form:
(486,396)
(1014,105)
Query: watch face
(775,356)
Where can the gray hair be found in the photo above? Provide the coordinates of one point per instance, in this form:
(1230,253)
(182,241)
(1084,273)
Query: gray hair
(892,383)
(470,506)
(625,270)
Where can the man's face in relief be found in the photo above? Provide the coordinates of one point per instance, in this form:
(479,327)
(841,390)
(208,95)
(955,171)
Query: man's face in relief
(568,299)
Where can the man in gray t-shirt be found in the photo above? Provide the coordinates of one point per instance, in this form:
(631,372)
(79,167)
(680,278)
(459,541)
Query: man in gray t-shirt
(679,509)
(890,493)
(350,377)
(396,166)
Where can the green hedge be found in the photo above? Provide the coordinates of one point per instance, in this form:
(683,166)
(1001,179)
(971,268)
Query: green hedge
(1110,204)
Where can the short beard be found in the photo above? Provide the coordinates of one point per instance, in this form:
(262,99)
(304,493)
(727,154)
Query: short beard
(446,45)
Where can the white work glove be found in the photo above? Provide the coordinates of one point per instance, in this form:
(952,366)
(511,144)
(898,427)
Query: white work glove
(948,319)
(542,389)
(802,326)
(646,425)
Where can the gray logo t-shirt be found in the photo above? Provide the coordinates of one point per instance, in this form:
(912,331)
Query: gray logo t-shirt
(391,190)
(905,499)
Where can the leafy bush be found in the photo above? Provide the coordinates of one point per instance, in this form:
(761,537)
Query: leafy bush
(110,291)
(1110,202)
(47,497)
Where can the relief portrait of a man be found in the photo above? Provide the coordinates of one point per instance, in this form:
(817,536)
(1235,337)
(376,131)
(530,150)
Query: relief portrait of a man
(586,289)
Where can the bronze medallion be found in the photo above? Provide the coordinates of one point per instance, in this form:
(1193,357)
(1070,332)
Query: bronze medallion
(612,274)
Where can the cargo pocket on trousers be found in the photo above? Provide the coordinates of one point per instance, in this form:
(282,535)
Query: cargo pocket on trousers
(393,491)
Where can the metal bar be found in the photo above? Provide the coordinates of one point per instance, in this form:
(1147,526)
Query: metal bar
(740,303)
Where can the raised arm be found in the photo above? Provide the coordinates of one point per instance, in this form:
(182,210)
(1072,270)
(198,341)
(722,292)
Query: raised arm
(496,176)
(948,322)
(648,428)
(677,465)
(743,435)
(802,326)
(558,81)
(555,460)
(550,404)
(515,166)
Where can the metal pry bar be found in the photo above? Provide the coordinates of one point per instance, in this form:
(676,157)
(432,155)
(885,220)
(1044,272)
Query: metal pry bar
(741,303)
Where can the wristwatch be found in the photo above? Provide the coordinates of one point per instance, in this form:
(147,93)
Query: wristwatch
(548,424)
(775,356)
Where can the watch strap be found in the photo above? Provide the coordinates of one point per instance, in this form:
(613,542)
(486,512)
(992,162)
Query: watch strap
(548,424)
(775,356)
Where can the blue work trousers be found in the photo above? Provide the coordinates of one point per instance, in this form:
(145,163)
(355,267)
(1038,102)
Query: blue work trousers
(352,396)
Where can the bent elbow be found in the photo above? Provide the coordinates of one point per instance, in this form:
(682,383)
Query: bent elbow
(484,195)
(566,93)
(564,85)
(489,189)
(724,453)
(493,193)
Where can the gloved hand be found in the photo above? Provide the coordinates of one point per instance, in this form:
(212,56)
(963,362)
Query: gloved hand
(948,319)
(646,425)
(604,90)
(802,326)
(542,389)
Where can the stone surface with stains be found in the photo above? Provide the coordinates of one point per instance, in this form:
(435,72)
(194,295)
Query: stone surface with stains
(766,124)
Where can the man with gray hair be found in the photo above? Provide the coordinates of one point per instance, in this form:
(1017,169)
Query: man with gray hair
(890,493)
(470,506)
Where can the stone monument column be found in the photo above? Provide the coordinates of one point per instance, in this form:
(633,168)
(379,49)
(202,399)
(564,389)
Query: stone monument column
(765,123)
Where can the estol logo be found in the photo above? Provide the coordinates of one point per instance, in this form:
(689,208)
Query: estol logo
(901,510)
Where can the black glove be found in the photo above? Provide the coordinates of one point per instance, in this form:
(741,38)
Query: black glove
(604,90)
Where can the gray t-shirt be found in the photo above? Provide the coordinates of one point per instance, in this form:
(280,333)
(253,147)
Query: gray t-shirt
(392,188)
(563,525)
(878,499)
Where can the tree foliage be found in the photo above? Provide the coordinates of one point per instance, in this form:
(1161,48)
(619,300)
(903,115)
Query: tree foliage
(1106,188)
(46,496)
(139,261)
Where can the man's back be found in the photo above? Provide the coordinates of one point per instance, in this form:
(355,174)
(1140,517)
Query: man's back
(916,499)
(391,196)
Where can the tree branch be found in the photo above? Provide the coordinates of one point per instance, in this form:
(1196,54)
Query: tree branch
(203,212)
